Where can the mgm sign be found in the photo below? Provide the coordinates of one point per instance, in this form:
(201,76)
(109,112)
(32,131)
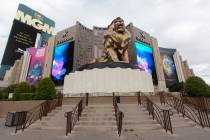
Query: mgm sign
(29,29)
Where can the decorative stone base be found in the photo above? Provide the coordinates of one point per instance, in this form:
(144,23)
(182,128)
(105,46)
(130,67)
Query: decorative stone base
(105,81)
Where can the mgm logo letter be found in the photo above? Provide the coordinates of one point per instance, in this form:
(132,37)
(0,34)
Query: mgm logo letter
(36,23)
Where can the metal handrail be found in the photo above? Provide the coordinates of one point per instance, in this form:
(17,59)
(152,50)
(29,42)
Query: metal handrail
(118,115)
(73,116)
(190,109)
(139,98)
(198,102)
(26,118)
(162,116)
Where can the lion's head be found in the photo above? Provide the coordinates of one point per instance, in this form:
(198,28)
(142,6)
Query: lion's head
(117,25)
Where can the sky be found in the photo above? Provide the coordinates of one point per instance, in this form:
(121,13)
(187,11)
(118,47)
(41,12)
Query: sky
(179,24)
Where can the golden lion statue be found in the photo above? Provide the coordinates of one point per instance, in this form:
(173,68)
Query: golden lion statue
(116,41)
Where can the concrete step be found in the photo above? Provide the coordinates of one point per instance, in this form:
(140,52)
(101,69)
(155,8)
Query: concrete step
(97,123)
(63,128)
(99,106)
(47,123)
(141,127)
(138,112)
(57,117)
(98,112)
(99,115)
(94,128)
(139,122)
(112,118)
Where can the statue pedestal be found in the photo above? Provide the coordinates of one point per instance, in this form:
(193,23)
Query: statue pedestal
(104,78)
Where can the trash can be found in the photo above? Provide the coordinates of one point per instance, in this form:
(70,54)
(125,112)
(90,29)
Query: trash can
(10,119)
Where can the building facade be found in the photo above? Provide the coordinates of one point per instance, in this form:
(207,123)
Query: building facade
(78,45)
(89,44)
(29,29)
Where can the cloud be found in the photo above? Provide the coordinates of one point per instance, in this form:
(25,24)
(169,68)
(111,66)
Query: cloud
(202,70)
(180,24)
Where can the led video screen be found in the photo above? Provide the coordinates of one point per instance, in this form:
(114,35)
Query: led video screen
(62,62)
(169,68)
(145,60)
(36,66)
(21,36)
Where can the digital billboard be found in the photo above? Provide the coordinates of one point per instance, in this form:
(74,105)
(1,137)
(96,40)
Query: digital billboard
(169,68)
(62,62)
(145,60)
(26,25)
(36,66)
(21,37)
(41,23)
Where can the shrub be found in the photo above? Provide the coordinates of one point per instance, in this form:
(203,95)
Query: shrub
(11,88)
(208,91)
(26,96)
(16,97)
(45,89)
(196,86)
(1,95)
(33,88)
(23,87)
(177,87)
(6,95)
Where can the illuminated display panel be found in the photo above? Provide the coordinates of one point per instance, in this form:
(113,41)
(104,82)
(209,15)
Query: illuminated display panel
(145,60)
(169,68)
(36,66)
(21,37)
(62,62)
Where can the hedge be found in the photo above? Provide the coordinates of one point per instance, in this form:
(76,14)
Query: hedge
(196,86)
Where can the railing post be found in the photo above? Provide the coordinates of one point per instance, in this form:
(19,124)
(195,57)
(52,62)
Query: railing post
(79,110)
(113,95)
(21,120)
(152,110)
(139,98)
(182,105)
(24,120)
(167,120)
(59,99)
(200,117)
(87,96)
(69,122)
(162,98)
(41,111)
(120,123)
(45,105)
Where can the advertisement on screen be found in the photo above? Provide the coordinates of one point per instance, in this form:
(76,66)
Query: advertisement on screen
(23,34)
(169,68)
(21,37)
(37,63)
(62,62)
(145,60)
(43,25)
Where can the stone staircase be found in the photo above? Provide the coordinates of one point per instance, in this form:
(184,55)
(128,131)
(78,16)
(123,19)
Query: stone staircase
(55,120)
(102,119)
(98,118)
(136,118)
(177,120)
(98,122)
